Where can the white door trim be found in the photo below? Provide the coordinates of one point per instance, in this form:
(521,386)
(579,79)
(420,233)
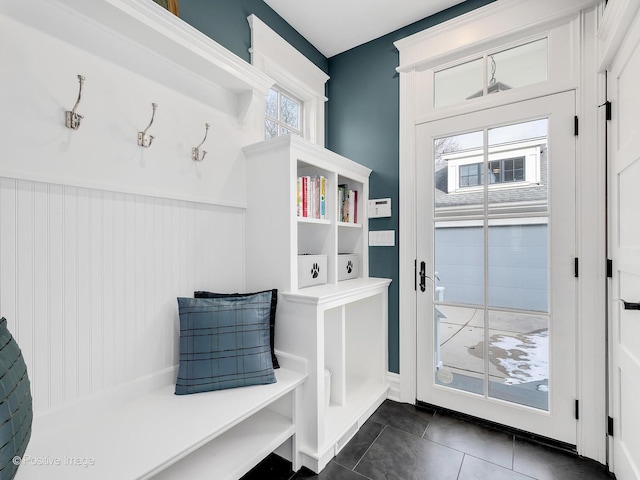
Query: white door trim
(591,349)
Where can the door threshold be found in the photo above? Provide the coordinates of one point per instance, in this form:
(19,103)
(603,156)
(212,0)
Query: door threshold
(516,432)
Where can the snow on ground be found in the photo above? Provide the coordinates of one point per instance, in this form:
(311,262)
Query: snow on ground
(524,358)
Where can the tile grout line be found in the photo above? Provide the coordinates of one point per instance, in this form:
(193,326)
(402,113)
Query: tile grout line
(428,425)
(460,467)
(470,454)
(369,448)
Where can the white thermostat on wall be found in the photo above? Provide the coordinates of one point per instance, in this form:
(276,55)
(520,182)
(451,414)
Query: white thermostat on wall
(379,208)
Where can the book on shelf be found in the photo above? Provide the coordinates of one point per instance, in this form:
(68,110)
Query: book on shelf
(299,196)
(347,204)
(311,196)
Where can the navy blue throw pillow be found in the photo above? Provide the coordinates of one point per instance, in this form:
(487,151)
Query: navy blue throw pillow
(16,405)
(224,343)
(272,313)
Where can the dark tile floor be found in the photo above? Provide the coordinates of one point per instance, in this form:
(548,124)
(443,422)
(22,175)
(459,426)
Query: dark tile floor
(403,443)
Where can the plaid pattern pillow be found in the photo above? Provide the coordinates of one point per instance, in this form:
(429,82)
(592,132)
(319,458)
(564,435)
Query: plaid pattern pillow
(224,343)
(16,412)
(272,313)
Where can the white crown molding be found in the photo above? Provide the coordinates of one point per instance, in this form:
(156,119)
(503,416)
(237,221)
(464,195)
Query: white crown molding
(269,44)
(616,22)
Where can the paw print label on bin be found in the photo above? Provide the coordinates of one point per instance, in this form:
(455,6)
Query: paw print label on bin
(315,270)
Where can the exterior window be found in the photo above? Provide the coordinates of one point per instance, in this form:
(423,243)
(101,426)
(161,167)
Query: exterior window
(283,114)
(508,170)
(471,175)
(500,171)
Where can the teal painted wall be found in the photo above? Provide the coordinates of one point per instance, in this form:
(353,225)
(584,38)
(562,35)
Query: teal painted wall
(226,22)
(363,124)
(362,116)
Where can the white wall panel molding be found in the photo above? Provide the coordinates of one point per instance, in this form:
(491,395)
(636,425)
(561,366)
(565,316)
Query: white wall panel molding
(53,42)
(591,217)
(89,280)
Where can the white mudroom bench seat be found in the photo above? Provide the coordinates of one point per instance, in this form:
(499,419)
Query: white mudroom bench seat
(145,431)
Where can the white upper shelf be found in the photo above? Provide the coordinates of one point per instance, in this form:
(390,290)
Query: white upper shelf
(141,36)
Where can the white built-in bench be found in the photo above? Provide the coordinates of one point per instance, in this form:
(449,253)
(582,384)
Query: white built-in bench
(145,431)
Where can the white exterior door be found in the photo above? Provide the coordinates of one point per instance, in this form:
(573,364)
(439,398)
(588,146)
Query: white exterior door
(496,241)
(624,227)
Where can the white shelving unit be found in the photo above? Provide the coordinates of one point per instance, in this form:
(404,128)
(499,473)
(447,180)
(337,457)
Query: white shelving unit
(340,325)
(276,235)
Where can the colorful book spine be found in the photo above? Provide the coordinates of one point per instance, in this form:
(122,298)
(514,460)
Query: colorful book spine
(316,197)
(311,196)
(341,199)
(323,191)
(354,207)
(305,196)
(299,196)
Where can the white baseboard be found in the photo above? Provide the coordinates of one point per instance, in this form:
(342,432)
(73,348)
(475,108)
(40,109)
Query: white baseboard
(393,379)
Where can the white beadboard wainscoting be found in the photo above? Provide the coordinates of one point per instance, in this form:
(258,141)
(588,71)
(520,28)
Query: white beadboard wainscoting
(89,280)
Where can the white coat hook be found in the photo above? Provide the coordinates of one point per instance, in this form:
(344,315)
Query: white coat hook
(72,119)
(195,151)
(145,140)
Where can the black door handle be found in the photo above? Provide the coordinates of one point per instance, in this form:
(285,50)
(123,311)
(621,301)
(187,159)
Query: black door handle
(631,305)
(423,277)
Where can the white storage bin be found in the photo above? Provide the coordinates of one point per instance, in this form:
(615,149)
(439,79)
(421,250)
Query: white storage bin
(348,266)
(312,270)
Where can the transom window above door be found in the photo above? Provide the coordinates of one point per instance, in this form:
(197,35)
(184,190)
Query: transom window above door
(283,114)
(492,72)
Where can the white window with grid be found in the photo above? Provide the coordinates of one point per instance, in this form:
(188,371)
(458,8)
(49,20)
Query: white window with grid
(283,114)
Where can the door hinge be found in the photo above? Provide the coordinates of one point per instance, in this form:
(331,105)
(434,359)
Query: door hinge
(609,268)
(607,109)
(575,125)
(576,267)
(577,410)
(610,426)
(415,275)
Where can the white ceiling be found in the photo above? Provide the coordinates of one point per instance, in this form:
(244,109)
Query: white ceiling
(334,26)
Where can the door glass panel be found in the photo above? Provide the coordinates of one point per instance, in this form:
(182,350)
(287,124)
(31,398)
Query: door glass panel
(459,347)
(459,264)
(518,168)
(495,194)
(459,175)
(518,264)
(519,358)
